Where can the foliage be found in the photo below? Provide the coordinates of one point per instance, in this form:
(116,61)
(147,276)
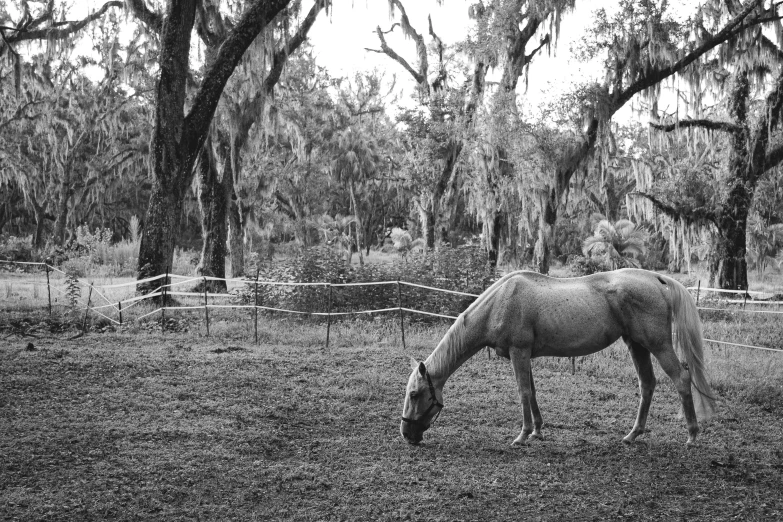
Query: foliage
(463,269)
(403,243)
(13,248)
(582,266)
(618,245)
(72,289)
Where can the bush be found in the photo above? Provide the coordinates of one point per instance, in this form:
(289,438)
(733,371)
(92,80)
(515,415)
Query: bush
(14,248)
(582,266)
(78,266)
(463,269)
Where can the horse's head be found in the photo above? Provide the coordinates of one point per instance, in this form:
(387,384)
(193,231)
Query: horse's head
(422,405)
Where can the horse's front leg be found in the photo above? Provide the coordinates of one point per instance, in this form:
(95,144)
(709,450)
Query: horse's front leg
(520,361)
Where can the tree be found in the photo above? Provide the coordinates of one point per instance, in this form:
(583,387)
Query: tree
(441,121)
(179,135)
(241,105)
(50,102)
(356,159)
(747,128)
(69,144)
(643,45)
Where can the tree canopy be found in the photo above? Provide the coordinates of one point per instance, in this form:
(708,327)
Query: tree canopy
(221,110)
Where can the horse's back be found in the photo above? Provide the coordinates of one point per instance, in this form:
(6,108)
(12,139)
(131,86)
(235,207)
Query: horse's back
(582,315)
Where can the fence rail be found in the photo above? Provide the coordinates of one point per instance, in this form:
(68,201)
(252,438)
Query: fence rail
(123,305)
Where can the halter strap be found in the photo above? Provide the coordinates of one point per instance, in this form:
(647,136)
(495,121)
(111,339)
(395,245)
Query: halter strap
(433,403)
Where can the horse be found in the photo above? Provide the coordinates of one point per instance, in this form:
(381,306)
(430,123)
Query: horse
(525,315)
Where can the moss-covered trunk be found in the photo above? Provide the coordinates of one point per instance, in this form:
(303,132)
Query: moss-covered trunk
(213,201)
(236,235)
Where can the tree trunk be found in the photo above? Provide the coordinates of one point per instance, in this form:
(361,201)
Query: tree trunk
(236,236)
(734,215)
(498,224)
(357,225)
(546,232)
(40,219)
(542,250)
(732,247)
(214,214)
(429,231)
(61,219)
(161,224)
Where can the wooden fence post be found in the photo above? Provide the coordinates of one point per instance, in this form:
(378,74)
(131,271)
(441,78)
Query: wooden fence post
(163,301)
(402,316)
(255,306)
(48,289)
(698,291)
(119,308)
(206,305)
(329,316)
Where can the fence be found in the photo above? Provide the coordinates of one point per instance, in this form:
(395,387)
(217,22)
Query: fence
(112,310)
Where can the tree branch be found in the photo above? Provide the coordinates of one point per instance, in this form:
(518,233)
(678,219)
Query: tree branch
(385,49)
(730,30)
(153,20)
(19,113)
(544,41)
(199,118)
(774,157)
(769,121)
(249,112)
(724,126)
(678,214)
(63,29)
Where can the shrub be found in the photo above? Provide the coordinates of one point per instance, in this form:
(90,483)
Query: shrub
(13,248)
(77,266)
(582,266)
(618,245)
(72,290)
(463,269)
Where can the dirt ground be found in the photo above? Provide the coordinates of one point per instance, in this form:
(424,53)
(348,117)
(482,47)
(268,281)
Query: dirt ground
(182,427)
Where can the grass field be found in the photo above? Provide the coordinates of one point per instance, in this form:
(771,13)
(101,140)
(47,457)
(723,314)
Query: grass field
(136,425)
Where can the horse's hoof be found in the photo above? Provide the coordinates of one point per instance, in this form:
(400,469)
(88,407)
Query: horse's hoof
(628,441)
(536,436)
(520,441)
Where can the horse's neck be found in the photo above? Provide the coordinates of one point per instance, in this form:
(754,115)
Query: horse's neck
(452,351)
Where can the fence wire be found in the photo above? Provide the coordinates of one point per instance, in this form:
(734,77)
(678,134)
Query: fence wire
(123,305)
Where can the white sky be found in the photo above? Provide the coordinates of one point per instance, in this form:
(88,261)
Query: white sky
(340,41)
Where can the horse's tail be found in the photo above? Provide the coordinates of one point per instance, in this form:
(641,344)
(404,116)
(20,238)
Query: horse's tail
(687,327)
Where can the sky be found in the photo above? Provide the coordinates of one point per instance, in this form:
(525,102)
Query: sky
(340,40)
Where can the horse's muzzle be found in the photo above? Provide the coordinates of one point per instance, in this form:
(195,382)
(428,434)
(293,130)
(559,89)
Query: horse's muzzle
(411,434)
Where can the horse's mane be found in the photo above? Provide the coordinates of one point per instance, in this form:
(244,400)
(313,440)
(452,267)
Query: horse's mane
(450,347)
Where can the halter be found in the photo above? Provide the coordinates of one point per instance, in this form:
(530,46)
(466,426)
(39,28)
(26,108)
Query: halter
(433,403)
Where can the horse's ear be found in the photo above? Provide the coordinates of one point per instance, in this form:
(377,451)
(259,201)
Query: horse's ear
(414,363)
(422,369)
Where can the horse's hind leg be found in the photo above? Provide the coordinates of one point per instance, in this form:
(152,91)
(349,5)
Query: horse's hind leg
(538,421)
(682,381)
(644,369)
(520,361)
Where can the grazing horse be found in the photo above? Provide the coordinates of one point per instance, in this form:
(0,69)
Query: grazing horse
(526,315)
